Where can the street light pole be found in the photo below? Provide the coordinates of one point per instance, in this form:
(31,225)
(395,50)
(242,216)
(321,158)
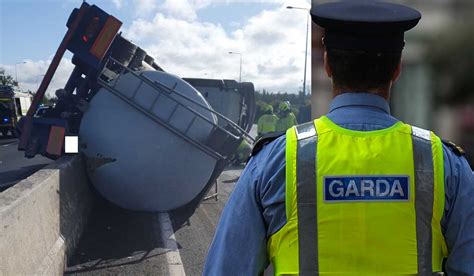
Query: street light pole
(240,68)
(16,74)
(306,47)
(305,55)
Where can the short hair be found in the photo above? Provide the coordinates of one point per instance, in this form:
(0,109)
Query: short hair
(360,70)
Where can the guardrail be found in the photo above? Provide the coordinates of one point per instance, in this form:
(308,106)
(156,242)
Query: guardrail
(42,218)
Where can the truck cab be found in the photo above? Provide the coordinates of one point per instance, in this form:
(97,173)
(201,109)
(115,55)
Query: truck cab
(13,105)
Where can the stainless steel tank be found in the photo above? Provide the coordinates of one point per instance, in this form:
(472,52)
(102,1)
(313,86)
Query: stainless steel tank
(140,142)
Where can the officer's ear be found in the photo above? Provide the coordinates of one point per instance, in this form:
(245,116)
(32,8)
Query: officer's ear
(397,72)
(326,64)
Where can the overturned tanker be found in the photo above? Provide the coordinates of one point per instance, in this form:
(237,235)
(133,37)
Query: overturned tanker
(151,140)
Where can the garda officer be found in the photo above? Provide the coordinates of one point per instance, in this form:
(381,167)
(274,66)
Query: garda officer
(356,192)
(267,122)
(286,118)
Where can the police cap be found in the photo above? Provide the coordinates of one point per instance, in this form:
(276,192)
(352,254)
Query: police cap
(365,25)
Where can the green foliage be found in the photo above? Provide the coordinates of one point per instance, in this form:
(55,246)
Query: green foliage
(49,101)
(7,79)
(300,104)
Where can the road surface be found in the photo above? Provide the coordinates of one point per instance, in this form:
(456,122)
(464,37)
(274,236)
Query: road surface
(118,241)
(13,165)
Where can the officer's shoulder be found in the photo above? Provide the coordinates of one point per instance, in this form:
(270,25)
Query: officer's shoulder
(451,146)
(264,140)
(454,148)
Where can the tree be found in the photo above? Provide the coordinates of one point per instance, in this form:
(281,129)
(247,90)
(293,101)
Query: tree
(7,79)
(300,104)
(49,101)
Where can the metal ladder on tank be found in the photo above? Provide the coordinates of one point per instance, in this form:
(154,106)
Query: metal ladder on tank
(165,91)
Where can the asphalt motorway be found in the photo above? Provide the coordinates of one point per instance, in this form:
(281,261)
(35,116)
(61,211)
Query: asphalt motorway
(121,242)
(13,165)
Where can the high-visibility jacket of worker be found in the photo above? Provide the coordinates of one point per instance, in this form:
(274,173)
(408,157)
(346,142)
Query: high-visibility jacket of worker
(381,192)
(287,118)
(286,121)
(267,122)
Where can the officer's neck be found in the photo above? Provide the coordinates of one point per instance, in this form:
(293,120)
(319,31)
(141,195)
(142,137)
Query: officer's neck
(382,92)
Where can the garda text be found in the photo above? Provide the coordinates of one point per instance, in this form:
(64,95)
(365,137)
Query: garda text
(366,188)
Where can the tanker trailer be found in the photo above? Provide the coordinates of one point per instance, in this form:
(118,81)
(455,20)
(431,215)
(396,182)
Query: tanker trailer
(150,140)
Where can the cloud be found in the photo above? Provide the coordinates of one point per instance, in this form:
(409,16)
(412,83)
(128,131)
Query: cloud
(263,36)
(144,8)
(31,73)
(180,9)
(118,3)
(272,44)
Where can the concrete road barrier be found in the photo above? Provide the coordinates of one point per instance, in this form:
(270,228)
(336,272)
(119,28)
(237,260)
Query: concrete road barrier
(42,218)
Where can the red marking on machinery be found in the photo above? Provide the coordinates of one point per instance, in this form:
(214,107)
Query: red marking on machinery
(56,140)
(26,131)
(106,35)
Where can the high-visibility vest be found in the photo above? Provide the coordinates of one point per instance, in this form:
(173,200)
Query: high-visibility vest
(266,123)
(361,202)
(286,122)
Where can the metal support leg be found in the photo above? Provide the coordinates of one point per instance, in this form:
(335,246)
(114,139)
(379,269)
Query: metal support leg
(214,195)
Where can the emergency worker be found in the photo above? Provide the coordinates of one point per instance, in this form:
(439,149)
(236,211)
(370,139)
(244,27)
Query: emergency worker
(355,192)
(287,118)
(267,122)
(242,153)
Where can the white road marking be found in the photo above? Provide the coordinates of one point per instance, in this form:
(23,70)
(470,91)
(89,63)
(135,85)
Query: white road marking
(6,145)
(173,258)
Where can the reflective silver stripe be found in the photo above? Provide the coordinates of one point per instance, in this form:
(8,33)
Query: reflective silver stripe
(305,130)
(424,193)
(421,133)
(306,199)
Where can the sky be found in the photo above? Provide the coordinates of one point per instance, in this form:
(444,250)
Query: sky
(188,38)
